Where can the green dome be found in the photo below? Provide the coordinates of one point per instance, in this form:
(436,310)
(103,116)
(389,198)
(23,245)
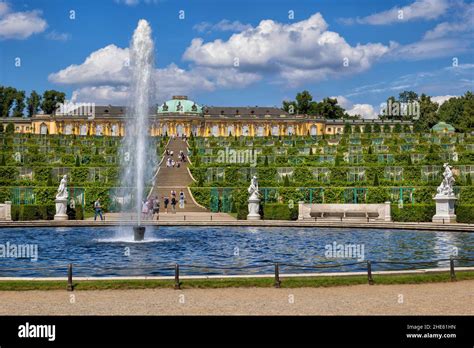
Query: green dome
(179,104)
(443,127)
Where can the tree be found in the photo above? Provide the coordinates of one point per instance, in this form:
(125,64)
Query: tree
(377,128)
(33,103)
(428,115)
(376,179)
(51,99)
(329,109)
(7,97)
(286,181)
(397,128)
(303,101)
(347,128)
(290,107)
(19,104)
(407,97)
(386,128)
(10,128)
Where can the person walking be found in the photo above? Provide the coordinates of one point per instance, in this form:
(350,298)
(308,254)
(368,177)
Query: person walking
(166,201)
(98,210)
(181,199)
(144,210)
(156,207)
(173,205)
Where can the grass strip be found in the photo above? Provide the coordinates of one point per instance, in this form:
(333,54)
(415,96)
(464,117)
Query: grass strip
(293,282)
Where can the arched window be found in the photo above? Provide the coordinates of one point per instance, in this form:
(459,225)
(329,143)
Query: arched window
(43,129)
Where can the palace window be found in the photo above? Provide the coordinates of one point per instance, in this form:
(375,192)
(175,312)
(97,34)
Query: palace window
(275,130)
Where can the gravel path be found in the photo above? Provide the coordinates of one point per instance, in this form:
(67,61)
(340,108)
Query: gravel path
(429,299)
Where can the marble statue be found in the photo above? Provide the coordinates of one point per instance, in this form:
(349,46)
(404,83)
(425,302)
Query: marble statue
(445,198)
(62,189)
(446,186)
(254,200)
(61,200)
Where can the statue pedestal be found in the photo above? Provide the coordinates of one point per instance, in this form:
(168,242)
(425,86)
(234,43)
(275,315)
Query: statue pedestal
(254,205)
(61,208)
(444,209)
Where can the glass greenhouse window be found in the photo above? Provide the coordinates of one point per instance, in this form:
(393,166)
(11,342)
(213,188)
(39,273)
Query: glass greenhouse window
(356,174)
(285,171)
(431,173)
(321,174)
(393,173)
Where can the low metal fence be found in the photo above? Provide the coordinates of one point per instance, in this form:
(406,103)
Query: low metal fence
(277,266)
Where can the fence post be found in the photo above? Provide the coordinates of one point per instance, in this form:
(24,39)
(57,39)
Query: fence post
(451,269)
(70,286)
(369,273)
(177,284)
(277,275)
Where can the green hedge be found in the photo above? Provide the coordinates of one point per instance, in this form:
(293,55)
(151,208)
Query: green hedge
(465,213)
(33,212)
(43,212)
(425,213)
(278,211)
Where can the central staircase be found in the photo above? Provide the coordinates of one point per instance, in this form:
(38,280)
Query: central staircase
(176,179)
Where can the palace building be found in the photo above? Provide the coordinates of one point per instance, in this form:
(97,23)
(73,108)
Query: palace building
(180,116)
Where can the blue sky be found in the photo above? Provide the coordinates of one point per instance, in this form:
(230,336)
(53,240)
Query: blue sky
(361,51)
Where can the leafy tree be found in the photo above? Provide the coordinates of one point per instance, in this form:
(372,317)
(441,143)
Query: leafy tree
(303,101)
(329,109)
(19,104)
(7,97)
(286,181)
(51,99)
(407,97)
(10,128)
(376,179)
(428,115)
(347,128)
(33,103)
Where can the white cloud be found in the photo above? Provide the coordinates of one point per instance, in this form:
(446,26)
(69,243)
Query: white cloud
(101,95)
(104,76)
(427,49)
(106,66)
(135,2)
(366,111)
(302,51)
(420,9)
(223,25)
(55,36)
(20,25)
(442,98)
(460,23)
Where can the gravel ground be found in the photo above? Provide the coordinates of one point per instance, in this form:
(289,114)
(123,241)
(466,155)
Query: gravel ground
(417,299)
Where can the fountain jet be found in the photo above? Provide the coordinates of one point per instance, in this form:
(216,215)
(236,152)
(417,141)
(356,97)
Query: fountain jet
(136,148)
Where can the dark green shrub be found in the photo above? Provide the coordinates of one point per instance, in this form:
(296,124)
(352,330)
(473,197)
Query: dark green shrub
(413,213)
(465,213)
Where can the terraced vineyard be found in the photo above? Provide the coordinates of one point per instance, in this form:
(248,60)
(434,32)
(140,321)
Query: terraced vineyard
(403,168)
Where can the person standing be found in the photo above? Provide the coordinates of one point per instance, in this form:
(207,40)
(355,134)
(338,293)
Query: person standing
(97,210)
(181,199)
(173,205)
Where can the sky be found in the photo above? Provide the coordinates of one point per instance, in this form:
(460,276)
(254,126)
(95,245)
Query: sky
(242,52)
